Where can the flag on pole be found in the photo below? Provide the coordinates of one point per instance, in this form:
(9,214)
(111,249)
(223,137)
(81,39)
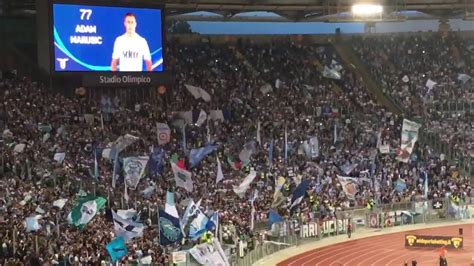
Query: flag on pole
(240,190)
(86,208)
(273,217)
(408,140)
(117,249)
(182,177)
(125,227)
(213,223)
(163,132)
(299,193)
(235,164)
(170,207)
(190,211)
(196,155)
(134,168)
(349,186)
(170,229)
(198,225)
(220,175)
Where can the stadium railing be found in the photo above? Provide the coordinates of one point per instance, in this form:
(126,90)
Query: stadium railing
(296,232)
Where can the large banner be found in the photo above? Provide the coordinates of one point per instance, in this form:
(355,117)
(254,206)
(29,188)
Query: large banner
(417,241)
(409,138)
(314,230)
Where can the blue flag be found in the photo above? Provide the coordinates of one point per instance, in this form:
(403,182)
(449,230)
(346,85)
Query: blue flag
(170,230)
(299,193)
(156,163)
(196,155)
(273,217)
(213,223)
(117,249)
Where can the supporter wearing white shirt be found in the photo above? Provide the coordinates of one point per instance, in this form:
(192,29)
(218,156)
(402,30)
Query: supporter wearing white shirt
(130,49)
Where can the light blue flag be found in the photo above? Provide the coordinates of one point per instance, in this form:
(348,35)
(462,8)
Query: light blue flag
(196,155)
(273,217)
(198,225)
(190,211)
(117,249)
(400,185)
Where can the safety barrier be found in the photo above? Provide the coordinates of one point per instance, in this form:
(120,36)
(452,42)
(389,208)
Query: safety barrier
(296,232)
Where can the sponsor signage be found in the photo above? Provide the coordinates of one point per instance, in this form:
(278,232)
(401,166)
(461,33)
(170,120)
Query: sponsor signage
(313,229)
(420,241)
(118,79)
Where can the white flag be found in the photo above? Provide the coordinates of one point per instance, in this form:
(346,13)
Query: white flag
(430,84)
(202,118)
(204,95)
(193,90)
(182,177)
(134,168)
(123,142)
(164,133)
(59,203)
(198,92)
(59,157)
(349,186)
(220,175)
(240,190)
(127,228)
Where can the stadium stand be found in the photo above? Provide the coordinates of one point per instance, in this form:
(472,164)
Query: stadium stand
(266,103)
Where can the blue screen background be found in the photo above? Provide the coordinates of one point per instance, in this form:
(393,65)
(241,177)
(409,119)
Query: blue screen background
(109,25)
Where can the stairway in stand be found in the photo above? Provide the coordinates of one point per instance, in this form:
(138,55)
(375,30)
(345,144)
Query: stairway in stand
(351,61)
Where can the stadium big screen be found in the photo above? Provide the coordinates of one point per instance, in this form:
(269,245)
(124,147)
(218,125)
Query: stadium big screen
(93,38)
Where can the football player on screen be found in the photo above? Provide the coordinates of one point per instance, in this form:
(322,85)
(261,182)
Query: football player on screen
(130,49)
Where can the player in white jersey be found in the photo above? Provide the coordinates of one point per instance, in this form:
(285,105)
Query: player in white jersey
(130,49)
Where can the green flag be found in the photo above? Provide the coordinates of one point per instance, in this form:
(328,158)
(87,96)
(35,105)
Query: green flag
(85,209)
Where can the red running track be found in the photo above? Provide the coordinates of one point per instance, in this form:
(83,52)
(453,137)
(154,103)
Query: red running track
(388,249)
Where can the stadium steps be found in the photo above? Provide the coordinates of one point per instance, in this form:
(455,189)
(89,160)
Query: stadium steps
(351,60)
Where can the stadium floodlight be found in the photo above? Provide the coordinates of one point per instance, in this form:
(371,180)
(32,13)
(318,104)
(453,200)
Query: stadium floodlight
(367,10)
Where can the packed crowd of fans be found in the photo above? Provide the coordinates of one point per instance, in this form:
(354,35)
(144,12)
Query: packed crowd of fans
(429,75)
(300,99)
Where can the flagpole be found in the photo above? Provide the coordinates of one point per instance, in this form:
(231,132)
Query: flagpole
(286,142)
(115,166)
